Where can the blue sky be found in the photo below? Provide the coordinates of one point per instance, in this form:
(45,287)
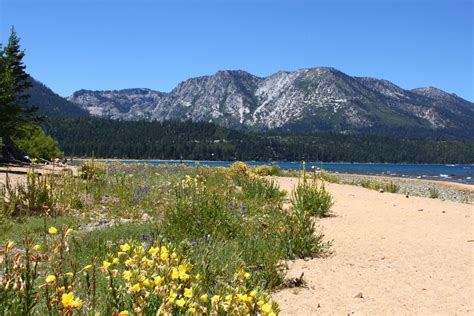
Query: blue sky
(117,44)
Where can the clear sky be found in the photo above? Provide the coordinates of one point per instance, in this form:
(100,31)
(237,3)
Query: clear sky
(115,44)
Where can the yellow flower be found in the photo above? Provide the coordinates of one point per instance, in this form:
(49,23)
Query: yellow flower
(135,288)
(69,274)
(115,261)
(174,255)
(53,230)
(172,297)
(123,313)
(260,303)
(164,254)
(158,280)
(69,232)
(215,299)
(253,294)
(247,275)
(125,247)
(88,267)
(204,298)
(121,253)
(37,247)
(153,251)
(181,302)
(266,308)
(127,275)
(174,274)
(188,293)
(271,314)
(10,245)
(198,277)
(228,298)
(183,276)
(106,264)
(147,282)
(50,278)
(68,300)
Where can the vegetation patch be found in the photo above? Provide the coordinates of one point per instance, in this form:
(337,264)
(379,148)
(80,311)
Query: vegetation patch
(148,239)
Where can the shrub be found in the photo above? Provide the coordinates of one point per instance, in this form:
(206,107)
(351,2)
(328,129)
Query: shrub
(34,141)
(267,170)
(93,170)
(312,198)
(239,168)
(35,197)
(434,193)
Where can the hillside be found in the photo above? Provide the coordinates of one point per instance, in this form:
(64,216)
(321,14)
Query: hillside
(308,100)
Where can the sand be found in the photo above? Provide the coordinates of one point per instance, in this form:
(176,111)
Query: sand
(402,255)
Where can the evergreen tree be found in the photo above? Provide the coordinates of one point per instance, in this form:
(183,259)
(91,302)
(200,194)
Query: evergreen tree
(14,56)
(9,110)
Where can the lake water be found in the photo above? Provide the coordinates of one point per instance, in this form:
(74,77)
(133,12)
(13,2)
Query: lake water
(453,173)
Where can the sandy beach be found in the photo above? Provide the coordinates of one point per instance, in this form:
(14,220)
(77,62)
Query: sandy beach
(391,255)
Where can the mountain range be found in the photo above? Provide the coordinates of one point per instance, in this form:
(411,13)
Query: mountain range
(306,100)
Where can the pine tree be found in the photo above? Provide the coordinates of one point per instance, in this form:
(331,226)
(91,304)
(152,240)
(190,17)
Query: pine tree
(14,56)
(9,111)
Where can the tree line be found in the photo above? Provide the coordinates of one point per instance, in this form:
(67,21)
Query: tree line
(104,138)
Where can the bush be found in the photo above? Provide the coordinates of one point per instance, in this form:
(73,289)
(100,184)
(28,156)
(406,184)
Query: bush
(239,168)
(434,193)
(267,170)
(93,170)
(312,198)
(34,141)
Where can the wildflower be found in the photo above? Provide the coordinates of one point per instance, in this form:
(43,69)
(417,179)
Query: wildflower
(174,274)
(121,253)
(188,292)
(52,230)
(260,303)
(123,313)
(247,275)
(172,297)
(88,267)
(228,298)
(266,308)
(215,299)
(198,277)
(272,314)
(50,279)
(204,298)
(69,232)
(181,302)
(115,261)
(125,247)
(127,275)
(106,264)
(135,288)
(153,251)
(68,300)
(36,247)
(158,280)
(147,282)
(69,274)
(10,245)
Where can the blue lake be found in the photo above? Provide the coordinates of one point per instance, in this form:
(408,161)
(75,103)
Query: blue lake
(453,173)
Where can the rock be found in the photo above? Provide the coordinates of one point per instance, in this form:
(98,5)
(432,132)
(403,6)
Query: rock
(443,212)
(359,295)
(420,210)
(381,190)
